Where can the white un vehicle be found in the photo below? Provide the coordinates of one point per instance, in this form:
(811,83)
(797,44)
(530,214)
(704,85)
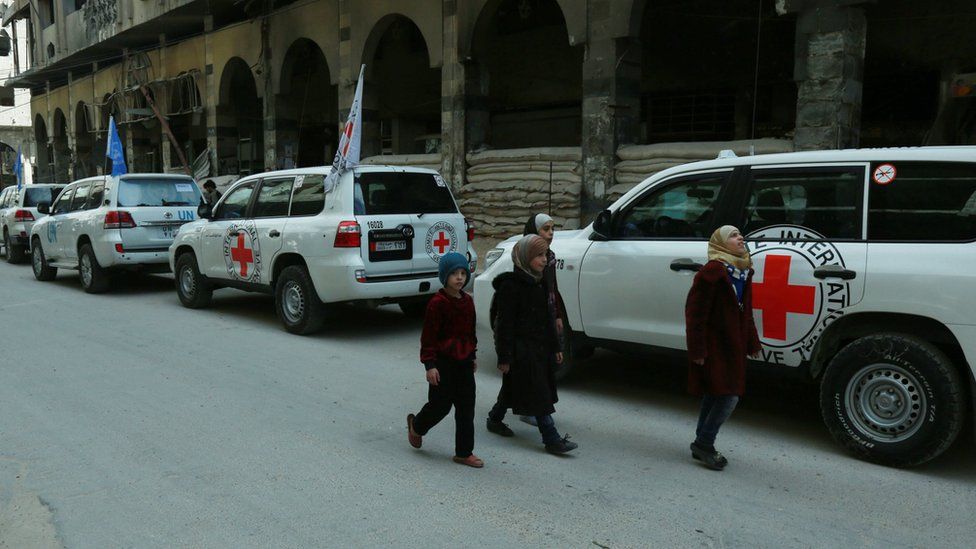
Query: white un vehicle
(865,267)
(18,211)
(101,225)
(376,238)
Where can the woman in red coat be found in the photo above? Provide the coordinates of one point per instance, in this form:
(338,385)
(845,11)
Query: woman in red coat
(721,333)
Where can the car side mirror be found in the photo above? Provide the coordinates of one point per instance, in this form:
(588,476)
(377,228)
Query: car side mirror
(204,211)
(601,226)
(44,207)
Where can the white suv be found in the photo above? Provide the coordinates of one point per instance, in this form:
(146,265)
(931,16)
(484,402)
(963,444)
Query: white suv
(376,238)
(865,267)
(18,211)
(103,224)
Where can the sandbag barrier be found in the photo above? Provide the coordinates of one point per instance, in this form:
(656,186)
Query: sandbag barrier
(504,187)
(429,161)
(638,162)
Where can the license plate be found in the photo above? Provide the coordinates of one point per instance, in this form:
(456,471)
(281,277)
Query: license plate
(169,232)
(394,246)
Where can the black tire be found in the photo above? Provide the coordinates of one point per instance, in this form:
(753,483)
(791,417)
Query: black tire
(414,308)
(296,303)
(94,279)
(15,254)
(892,399)
(193,289)
(42,271)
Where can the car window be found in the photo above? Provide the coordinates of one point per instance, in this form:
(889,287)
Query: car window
(80,198)
(145,192)
(33,197)
(272,199)
(679,209)
(827,200)
(918,201)
(5,198)
(308,198)
(63,203)
(384,193)
(235,203)
(96,196)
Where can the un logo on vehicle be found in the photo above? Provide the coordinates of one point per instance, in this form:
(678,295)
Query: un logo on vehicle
(792,307)
(242,252)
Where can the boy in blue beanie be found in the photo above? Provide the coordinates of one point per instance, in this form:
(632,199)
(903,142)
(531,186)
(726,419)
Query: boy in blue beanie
(447,350)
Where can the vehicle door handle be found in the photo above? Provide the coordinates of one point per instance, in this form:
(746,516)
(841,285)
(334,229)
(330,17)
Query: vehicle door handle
(273,233)
(834,271)
(685,264)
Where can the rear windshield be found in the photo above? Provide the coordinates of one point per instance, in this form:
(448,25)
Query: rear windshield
(43,194)
(158,192)
(381,193)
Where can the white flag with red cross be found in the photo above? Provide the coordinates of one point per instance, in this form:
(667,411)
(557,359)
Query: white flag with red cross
(347,155)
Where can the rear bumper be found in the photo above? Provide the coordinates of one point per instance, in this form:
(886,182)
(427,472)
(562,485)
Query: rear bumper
(156,260)
(20,233)
(337,283)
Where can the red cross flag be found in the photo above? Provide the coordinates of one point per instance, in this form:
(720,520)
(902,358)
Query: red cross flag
(347,155)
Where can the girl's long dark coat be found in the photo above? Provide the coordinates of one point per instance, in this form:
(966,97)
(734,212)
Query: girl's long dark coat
(525,339)
(720,332)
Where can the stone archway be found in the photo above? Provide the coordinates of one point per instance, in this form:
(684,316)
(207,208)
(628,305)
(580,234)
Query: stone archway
(61,148)
(45,155)
(402,92)
(306,113)
(84,164)
(240,127)
(527,75)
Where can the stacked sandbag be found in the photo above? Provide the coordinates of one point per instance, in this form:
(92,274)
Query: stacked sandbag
(504,187)
(638,162)
(429,161)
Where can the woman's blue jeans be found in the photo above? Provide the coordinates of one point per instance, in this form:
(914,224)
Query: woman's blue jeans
(714,411)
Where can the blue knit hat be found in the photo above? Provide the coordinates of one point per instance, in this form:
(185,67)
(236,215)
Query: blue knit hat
(451,262)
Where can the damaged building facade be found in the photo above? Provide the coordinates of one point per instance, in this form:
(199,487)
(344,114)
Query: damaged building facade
(521,104)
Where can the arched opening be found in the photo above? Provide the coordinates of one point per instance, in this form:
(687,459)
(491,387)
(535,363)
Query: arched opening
(919,74)
(84,165)
(147,136)
(44,169)
(8,158)
(402,91)
(62,152)
(240,139)
(699,77)
(306,115)
(186,120)
(529,76)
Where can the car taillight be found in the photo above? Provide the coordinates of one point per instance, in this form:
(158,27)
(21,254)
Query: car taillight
(23,215)
(119,220)
(470,229)
(348,235)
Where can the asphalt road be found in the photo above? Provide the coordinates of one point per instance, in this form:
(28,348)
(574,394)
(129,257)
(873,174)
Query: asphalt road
(129,421)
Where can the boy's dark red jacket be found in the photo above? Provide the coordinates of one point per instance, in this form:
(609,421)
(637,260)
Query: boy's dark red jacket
(449,331)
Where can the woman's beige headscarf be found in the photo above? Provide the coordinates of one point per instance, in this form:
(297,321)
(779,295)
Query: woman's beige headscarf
(717,249)
(525,249)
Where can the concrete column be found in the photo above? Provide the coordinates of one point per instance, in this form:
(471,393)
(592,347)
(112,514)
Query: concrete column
(211,94)
(453,144)
(269,103)
(611,109)
(829,72)
(348,68)
(72,126)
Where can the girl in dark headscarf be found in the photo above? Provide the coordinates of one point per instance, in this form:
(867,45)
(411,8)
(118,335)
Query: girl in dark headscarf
(721,333)
(527,344)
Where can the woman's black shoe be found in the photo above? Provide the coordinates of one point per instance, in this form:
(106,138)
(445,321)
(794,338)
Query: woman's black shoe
(499,428)
(562,446)
(712,459)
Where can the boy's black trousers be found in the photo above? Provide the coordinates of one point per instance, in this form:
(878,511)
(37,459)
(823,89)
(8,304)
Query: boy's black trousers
(457,389)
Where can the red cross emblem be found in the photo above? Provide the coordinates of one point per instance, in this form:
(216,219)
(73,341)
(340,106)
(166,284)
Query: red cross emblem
(242,255)
(775,296)
(442,242)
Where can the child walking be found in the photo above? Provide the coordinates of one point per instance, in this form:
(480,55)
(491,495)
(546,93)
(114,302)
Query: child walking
(527,344)
(447,350)
(721,333)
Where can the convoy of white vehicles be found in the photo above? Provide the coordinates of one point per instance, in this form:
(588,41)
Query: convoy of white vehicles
(18,212)
(863,260)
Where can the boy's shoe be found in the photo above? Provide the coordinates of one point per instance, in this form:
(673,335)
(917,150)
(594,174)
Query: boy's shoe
(530,420)
(470,461)
(415,440)
(499,428)
(562,446)
(712,459)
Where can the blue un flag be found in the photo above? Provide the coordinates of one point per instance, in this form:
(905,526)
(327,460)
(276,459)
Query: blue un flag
(114,150)
(19,169)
